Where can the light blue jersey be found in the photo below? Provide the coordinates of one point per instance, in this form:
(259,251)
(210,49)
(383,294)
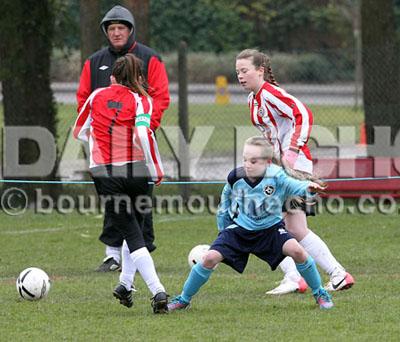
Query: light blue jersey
(258,205)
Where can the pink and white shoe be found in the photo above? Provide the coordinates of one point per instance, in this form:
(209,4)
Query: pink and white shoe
(288,286)
(323,299)
(340,282)
(177,303)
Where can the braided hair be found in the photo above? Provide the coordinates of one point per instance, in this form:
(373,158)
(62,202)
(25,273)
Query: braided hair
(260,59)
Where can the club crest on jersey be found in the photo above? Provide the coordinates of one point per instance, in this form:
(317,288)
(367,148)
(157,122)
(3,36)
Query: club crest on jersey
(269,190)
(261,112)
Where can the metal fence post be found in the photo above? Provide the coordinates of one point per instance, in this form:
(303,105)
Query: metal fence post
(183,114)
(358,55)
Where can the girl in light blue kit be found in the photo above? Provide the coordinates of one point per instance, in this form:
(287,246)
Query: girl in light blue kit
(250,222)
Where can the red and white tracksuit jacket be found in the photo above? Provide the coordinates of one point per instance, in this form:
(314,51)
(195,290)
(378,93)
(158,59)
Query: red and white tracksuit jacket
(284,121)
(116,123)
(97,69)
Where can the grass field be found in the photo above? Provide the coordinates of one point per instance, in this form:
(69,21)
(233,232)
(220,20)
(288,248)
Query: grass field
(231,307)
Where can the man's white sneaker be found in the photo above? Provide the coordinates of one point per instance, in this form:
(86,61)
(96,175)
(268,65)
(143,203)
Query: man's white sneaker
(288,286)
(340,282)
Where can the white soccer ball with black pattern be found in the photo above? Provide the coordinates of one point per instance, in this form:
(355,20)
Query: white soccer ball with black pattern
(197,253)
(33,284)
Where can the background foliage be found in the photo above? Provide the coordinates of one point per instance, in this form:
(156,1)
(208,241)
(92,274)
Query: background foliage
(304,37)
(283,25)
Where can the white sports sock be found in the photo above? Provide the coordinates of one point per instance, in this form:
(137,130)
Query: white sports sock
(145,265)
(114,252)
(318,249)
(288,267)
(128,268)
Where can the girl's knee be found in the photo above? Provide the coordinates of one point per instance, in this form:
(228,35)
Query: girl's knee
(293,249)
(211,259)
(299,255)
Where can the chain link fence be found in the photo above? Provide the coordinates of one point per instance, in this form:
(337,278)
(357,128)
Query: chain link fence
(218,115)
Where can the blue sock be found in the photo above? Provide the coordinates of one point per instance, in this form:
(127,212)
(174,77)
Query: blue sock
(198,276)
(309,272)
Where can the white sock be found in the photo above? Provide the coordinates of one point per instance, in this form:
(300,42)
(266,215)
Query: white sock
(114,252)
(145,265)
(128,268)
(288,267)
(318,249)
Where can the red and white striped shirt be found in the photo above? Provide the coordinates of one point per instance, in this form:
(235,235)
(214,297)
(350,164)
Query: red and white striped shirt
(116,123)
(284,121)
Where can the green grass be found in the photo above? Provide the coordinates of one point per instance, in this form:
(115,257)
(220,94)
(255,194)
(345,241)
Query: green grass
(230,307)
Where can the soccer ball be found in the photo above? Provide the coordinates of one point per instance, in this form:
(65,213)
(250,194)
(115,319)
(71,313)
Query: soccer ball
(197,253)
(33,284)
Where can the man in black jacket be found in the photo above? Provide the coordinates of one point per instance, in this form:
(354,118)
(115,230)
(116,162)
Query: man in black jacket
(119,27)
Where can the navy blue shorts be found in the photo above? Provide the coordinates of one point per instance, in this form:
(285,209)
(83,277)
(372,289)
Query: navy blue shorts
(236,244)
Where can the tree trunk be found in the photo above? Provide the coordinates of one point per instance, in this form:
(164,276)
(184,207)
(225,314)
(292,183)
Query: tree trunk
(140,11)
(91,35)
(26,33)
(380,62)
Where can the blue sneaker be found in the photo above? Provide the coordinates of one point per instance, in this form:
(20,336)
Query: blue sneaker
(323,299)
(177,303)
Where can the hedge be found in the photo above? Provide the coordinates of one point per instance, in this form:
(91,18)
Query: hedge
(204,67)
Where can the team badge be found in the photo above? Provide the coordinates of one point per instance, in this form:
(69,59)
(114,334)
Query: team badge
(261,112)
(269,190)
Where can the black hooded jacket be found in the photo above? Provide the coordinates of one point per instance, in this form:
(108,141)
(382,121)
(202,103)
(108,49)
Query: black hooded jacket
(97,68)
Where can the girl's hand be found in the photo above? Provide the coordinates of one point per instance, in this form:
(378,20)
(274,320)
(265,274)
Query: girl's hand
(315,187)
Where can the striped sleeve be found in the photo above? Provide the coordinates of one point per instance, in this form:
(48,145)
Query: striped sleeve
(147,138)
(82,124)
(289,106)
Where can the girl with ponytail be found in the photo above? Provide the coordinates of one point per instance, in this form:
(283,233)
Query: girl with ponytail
(286,124)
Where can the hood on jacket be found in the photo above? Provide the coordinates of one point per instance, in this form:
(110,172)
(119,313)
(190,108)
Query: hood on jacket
(122,15)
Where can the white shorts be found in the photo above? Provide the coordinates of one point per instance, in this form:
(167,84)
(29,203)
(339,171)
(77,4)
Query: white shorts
(303,163)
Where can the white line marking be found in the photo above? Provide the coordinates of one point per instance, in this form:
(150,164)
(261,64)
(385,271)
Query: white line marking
(32,231)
